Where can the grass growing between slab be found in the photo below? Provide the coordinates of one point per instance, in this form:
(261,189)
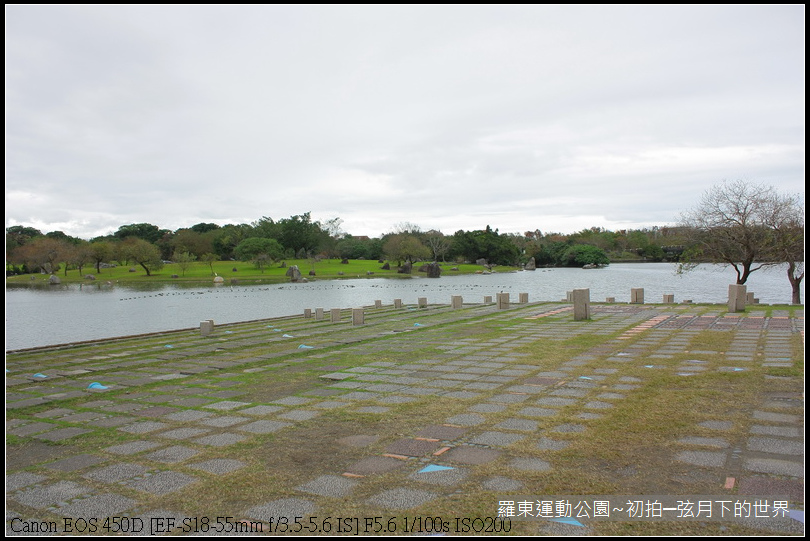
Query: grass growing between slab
(630,449)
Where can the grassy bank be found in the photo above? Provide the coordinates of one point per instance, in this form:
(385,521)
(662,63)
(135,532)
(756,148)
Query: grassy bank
(202,273)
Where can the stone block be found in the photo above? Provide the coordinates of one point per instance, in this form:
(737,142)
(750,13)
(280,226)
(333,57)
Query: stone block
(422,302)
(582,304)
(523,298)
(637,295)
(456,302)
(736,297)
(206,327)
(358,316)
(397,303)
(319,314)
(335,315)
(669,298)
(503,301)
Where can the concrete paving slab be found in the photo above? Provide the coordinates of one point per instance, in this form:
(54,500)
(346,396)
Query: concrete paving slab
(61,434)
(42,497)
(263,427)
(496,439)
(99,506)
(332,486)
(115,473)
(164,482)
(132,448)
(708,459)
(218,466)
(774,466)
(288,508)
(172,455)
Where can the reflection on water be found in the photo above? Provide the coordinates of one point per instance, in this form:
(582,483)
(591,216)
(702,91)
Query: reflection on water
(39,314)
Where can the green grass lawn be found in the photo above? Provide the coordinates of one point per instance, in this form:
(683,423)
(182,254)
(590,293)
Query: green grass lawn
(247,272)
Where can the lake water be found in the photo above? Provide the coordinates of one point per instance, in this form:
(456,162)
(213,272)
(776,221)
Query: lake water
(47,315)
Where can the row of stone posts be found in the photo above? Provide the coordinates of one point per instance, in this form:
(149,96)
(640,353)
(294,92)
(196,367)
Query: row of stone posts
(738,297)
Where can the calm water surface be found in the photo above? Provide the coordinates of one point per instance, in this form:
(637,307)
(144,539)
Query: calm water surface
(46,315)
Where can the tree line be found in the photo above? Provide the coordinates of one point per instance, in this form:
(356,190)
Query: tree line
(742,224)
(265,241)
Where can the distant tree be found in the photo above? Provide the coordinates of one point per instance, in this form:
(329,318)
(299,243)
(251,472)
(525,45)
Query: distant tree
(438,243)
(184,260)
(405,247)
(579,255)
(735,223)
(144,253)
(351,248)
(101,252)
(18,235)
(209,260)
(148,232)
(43,253)
(228,237)
(78,255)
(193,242)
(788,226)
(300,234)
(486,244)
(204,228)
(259,250)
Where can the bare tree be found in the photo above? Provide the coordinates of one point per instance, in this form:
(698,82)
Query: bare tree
(787,221)
(738,223)
(438,244)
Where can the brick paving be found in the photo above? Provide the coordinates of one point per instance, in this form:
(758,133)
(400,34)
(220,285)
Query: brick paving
(155,438)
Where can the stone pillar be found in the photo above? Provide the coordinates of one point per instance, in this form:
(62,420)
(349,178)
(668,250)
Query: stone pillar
(335,313)
(503,301)
(736,298)
(377,304)
(582,304)
(637,295)
(206,327)
(358,316)
(307,312)
(487,299)
(524,298)
(319,314)
(610,299)
(422,302)
(669,298)
(569,296)
(397,303)
(456,302)
(749,298)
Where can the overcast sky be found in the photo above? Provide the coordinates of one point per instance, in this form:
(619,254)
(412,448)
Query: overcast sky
(556,118)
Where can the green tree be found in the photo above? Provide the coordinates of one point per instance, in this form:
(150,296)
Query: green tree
(101,252)
(148,232)
(300,234)
(259,250)
(209,260)
(405,247)
(144,253)
(184,260)
(579,255)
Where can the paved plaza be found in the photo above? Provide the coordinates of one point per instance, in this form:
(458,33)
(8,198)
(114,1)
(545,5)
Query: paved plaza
(415,413)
